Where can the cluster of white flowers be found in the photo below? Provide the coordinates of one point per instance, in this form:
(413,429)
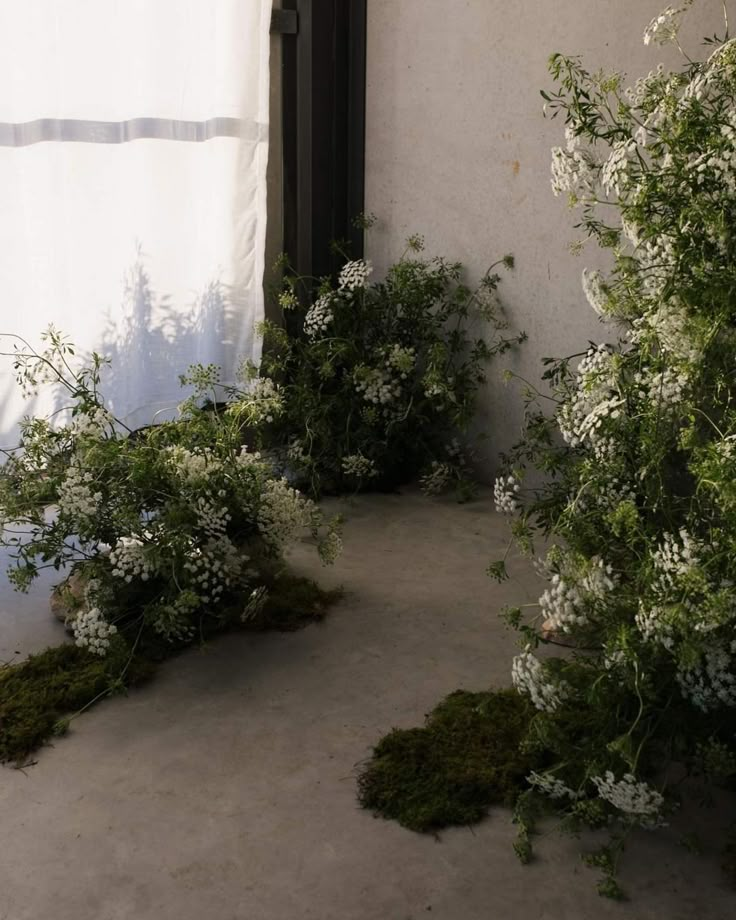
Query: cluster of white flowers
(528,677)
(358,466)
(595,400)
(713,683)
(247,458)
(641,91)
(669,325)
(615,171)
(330,547)
(355,275)
(213,519)
(674,558)
(665,389)
(319,317)
(173,622)
(593,287)
(92,631)
(573,169)
(506,494)
(78,497)
(401,360)
(94,423)
(664,28)
(283,512)
(653,623)
(377,385)
(213,567)
(552,786)
(658,260)
(130,559)
(193,465)
(265,400)
(436,480)
(636,799)
(565,603)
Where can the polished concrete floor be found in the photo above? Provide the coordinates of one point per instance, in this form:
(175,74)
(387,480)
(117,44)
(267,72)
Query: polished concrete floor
(225,790)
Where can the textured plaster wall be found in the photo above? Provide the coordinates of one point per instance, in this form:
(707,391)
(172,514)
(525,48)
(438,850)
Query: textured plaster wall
(458,150)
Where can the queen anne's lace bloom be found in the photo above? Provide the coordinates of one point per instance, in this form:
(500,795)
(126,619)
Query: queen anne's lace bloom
(637,800)
(319,317)
(358,466)
(282,513)
(529,678)
(663,29)
(92,631)
(130,558)
(78,497)
(505,494)
(355,275)
(435,481)
(552,786)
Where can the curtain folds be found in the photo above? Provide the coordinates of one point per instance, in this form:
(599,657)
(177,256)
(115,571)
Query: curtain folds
(133,151)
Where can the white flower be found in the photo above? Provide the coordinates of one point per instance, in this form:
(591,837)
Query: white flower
(78,497)
(635,799)
(193,466)
(615,171)
(551,786)
(355,275)
(265,401)
(131,559)
(713,682)
(94,423)
(283,512)
(319,317)
(377,385)
(594,292)
(674,558)
(572,171)
(505,494)
(664,28)
(358,466)
(528,677)
(583,416)
(92,631)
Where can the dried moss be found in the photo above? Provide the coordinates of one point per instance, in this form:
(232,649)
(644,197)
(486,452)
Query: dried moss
(39,694)
(466,758)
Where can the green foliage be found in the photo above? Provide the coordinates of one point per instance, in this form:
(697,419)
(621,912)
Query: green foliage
(638,503)
(465,759)
(369,385)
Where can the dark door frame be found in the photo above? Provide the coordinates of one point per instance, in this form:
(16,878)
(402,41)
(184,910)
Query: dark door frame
(323,120)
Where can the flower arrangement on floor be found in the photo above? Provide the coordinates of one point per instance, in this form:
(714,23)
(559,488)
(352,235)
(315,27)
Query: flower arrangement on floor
(165,534)
(641,454)
(367,385)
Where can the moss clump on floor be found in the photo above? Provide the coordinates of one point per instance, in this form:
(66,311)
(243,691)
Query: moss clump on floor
(466,758)
(38,695)
(294,602)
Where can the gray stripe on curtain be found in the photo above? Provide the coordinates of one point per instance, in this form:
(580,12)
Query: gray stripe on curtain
(22,134)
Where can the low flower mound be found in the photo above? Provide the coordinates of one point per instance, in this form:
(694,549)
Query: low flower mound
(166,535)
(639,505)
(369,385)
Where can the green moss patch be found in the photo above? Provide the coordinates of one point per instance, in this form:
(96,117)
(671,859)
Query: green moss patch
(38,695)
(467,757)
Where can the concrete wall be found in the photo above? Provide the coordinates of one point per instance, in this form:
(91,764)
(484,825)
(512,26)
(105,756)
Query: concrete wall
(458,150)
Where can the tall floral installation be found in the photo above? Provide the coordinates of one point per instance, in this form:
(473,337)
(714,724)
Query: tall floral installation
(165,535)
(639,506)
(369,385)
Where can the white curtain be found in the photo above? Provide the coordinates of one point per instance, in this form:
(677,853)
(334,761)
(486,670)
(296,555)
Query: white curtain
(133,149)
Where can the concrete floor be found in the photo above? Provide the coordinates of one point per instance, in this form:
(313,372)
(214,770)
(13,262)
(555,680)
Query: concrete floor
(226,789)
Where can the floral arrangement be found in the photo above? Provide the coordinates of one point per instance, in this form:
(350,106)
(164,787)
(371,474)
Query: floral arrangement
(640,455)
(367,385)
(165,534)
